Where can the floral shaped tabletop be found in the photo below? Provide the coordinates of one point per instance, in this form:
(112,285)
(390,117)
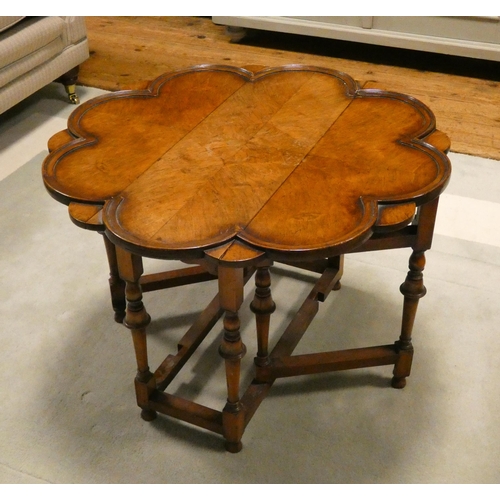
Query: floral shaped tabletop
(295,162)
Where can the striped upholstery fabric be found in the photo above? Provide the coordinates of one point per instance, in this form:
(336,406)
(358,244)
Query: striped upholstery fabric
(7,21)
(35,51)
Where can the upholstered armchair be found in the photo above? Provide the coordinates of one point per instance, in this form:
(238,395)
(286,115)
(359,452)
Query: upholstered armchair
(35,51)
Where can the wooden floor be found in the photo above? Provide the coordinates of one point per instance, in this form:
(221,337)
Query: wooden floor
(127,52)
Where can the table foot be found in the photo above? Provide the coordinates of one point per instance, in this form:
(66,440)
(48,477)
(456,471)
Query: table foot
(398,382)
(233,447)
(148,415)
(233,426)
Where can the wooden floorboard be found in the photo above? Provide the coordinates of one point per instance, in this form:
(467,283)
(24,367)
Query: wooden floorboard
(128,52)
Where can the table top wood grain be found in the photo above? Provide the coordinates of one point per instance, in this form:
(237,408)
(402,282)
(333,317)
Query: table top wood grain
(295,162)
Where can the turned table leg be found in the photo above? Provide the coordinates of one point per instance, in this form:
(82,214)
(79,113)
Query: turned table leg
(263,306)
(116,284)
(137,319)
(232,350)
(413,290)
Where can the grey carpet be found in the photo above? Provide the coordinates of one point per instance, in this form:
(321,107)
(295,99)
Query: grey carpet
(68,412)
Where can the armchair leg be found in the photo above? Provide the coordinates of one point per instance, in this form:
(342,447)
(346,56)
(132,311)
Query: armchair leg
(69,80)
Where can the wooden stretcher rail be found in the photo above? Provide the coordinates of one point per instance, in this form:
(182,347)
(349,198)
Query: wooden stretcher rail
(185,410)
(348,359)
(178,277)
(172,364)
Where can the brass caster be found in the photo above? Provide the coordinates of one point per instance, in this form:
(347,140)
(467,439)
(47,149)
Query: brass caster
(71,90)
(73,99)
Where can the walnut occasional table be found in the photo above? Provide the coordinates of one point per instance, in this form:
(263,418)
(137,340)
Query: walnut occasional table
(231,170)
